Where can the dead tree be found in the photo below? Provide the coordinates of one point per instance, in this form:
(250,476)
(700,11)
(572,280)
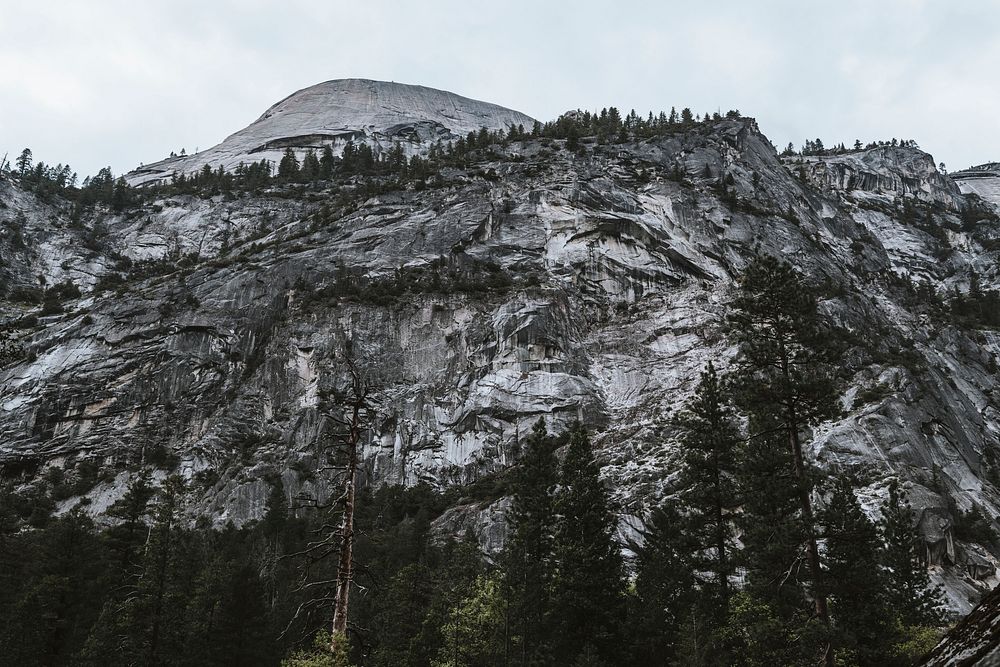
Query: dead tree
(358,407)
(350,410)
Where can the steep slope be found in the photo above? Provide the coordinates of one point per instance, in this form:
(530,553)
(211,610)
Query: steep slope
(536,282)
(974,642)
(379,113)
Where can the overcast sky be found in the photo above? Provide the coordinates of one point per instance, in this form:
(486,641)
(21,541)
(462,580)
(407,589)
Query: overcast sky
(108,82)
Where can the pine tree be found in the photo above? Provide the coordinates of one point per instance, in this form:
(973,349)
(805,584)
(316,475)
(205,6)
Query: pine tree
(857,589)
(421,602)
(310,167)
(127,536)
(148,617)
(770,525)
(23,162)
(224,616)
(665,590)
(756,636)
(61,575)
(588,587)
(784,377)
(908,584)
(326,163)
(709,439)
(474,632)
(529,550)
(288,168)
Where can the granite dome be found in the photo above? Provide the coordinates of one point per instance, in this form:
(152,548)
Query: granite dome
(379,113)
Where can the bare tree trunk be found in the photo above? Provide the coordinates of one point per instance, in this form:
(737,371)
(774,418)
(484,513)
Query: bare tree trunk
(346,563)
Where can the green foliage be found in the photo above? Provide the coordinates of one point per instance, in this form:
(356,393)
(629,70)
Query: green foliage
(860,609)
(783,370)
(10,347)
(324,653)
(755,635)
(872,394)
(973,526)
(913,642)
(288,168)
(908,588)
(977,308)
(457,274)
(528,553)
(151,589)
(664,587)
(709,440)
(588,583)
(474,632)
(785,383)
(772,528)
(47,605)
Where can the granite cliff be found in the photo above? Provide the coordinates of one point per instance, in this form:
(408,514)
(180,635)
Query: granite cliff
(210,331)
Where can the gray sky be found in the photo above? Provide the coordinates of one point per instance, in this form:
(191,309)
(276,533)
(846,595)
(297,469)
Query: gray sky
(109,82)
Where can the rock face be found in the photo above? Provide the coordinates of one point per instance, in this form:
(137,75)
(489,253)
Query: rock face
(379,113)
(983,180)
(539,283)
(974,642)
(887,169)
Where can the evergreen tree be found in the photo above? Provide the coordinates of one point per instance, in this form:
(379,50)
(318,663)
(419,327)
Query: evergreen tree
(421,604)
(908,585)
(128,535)
(529,551)
(770,523)
(23,162)
(709,439)
(225,618)
(52,611)
(310,167)
(149,620)
(348,157)
(858,604)
(664,587)
(288,168)
(588,587)
(783,375)
(474,632)
(326,163)
(756,636)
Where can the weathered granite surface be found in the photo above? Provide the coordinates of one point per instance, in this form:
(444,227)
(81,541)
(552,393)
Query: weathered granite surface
(617,278)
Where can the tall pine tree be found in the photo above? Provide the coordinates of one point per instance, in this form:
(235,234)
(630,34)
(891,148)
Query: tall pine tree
(770,525)
(709,439)
(785,378)
(528,558)
(588,589)
(664,587)
(858,605)
(288,168)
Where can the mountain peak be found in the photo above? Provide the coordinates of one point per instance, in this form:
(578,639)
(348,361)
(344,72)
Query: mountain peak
(380,113)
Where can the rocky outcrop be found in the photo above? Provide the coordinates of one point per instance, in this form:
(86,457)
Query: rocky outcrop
(983,181)
(974,642)
(885,170)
